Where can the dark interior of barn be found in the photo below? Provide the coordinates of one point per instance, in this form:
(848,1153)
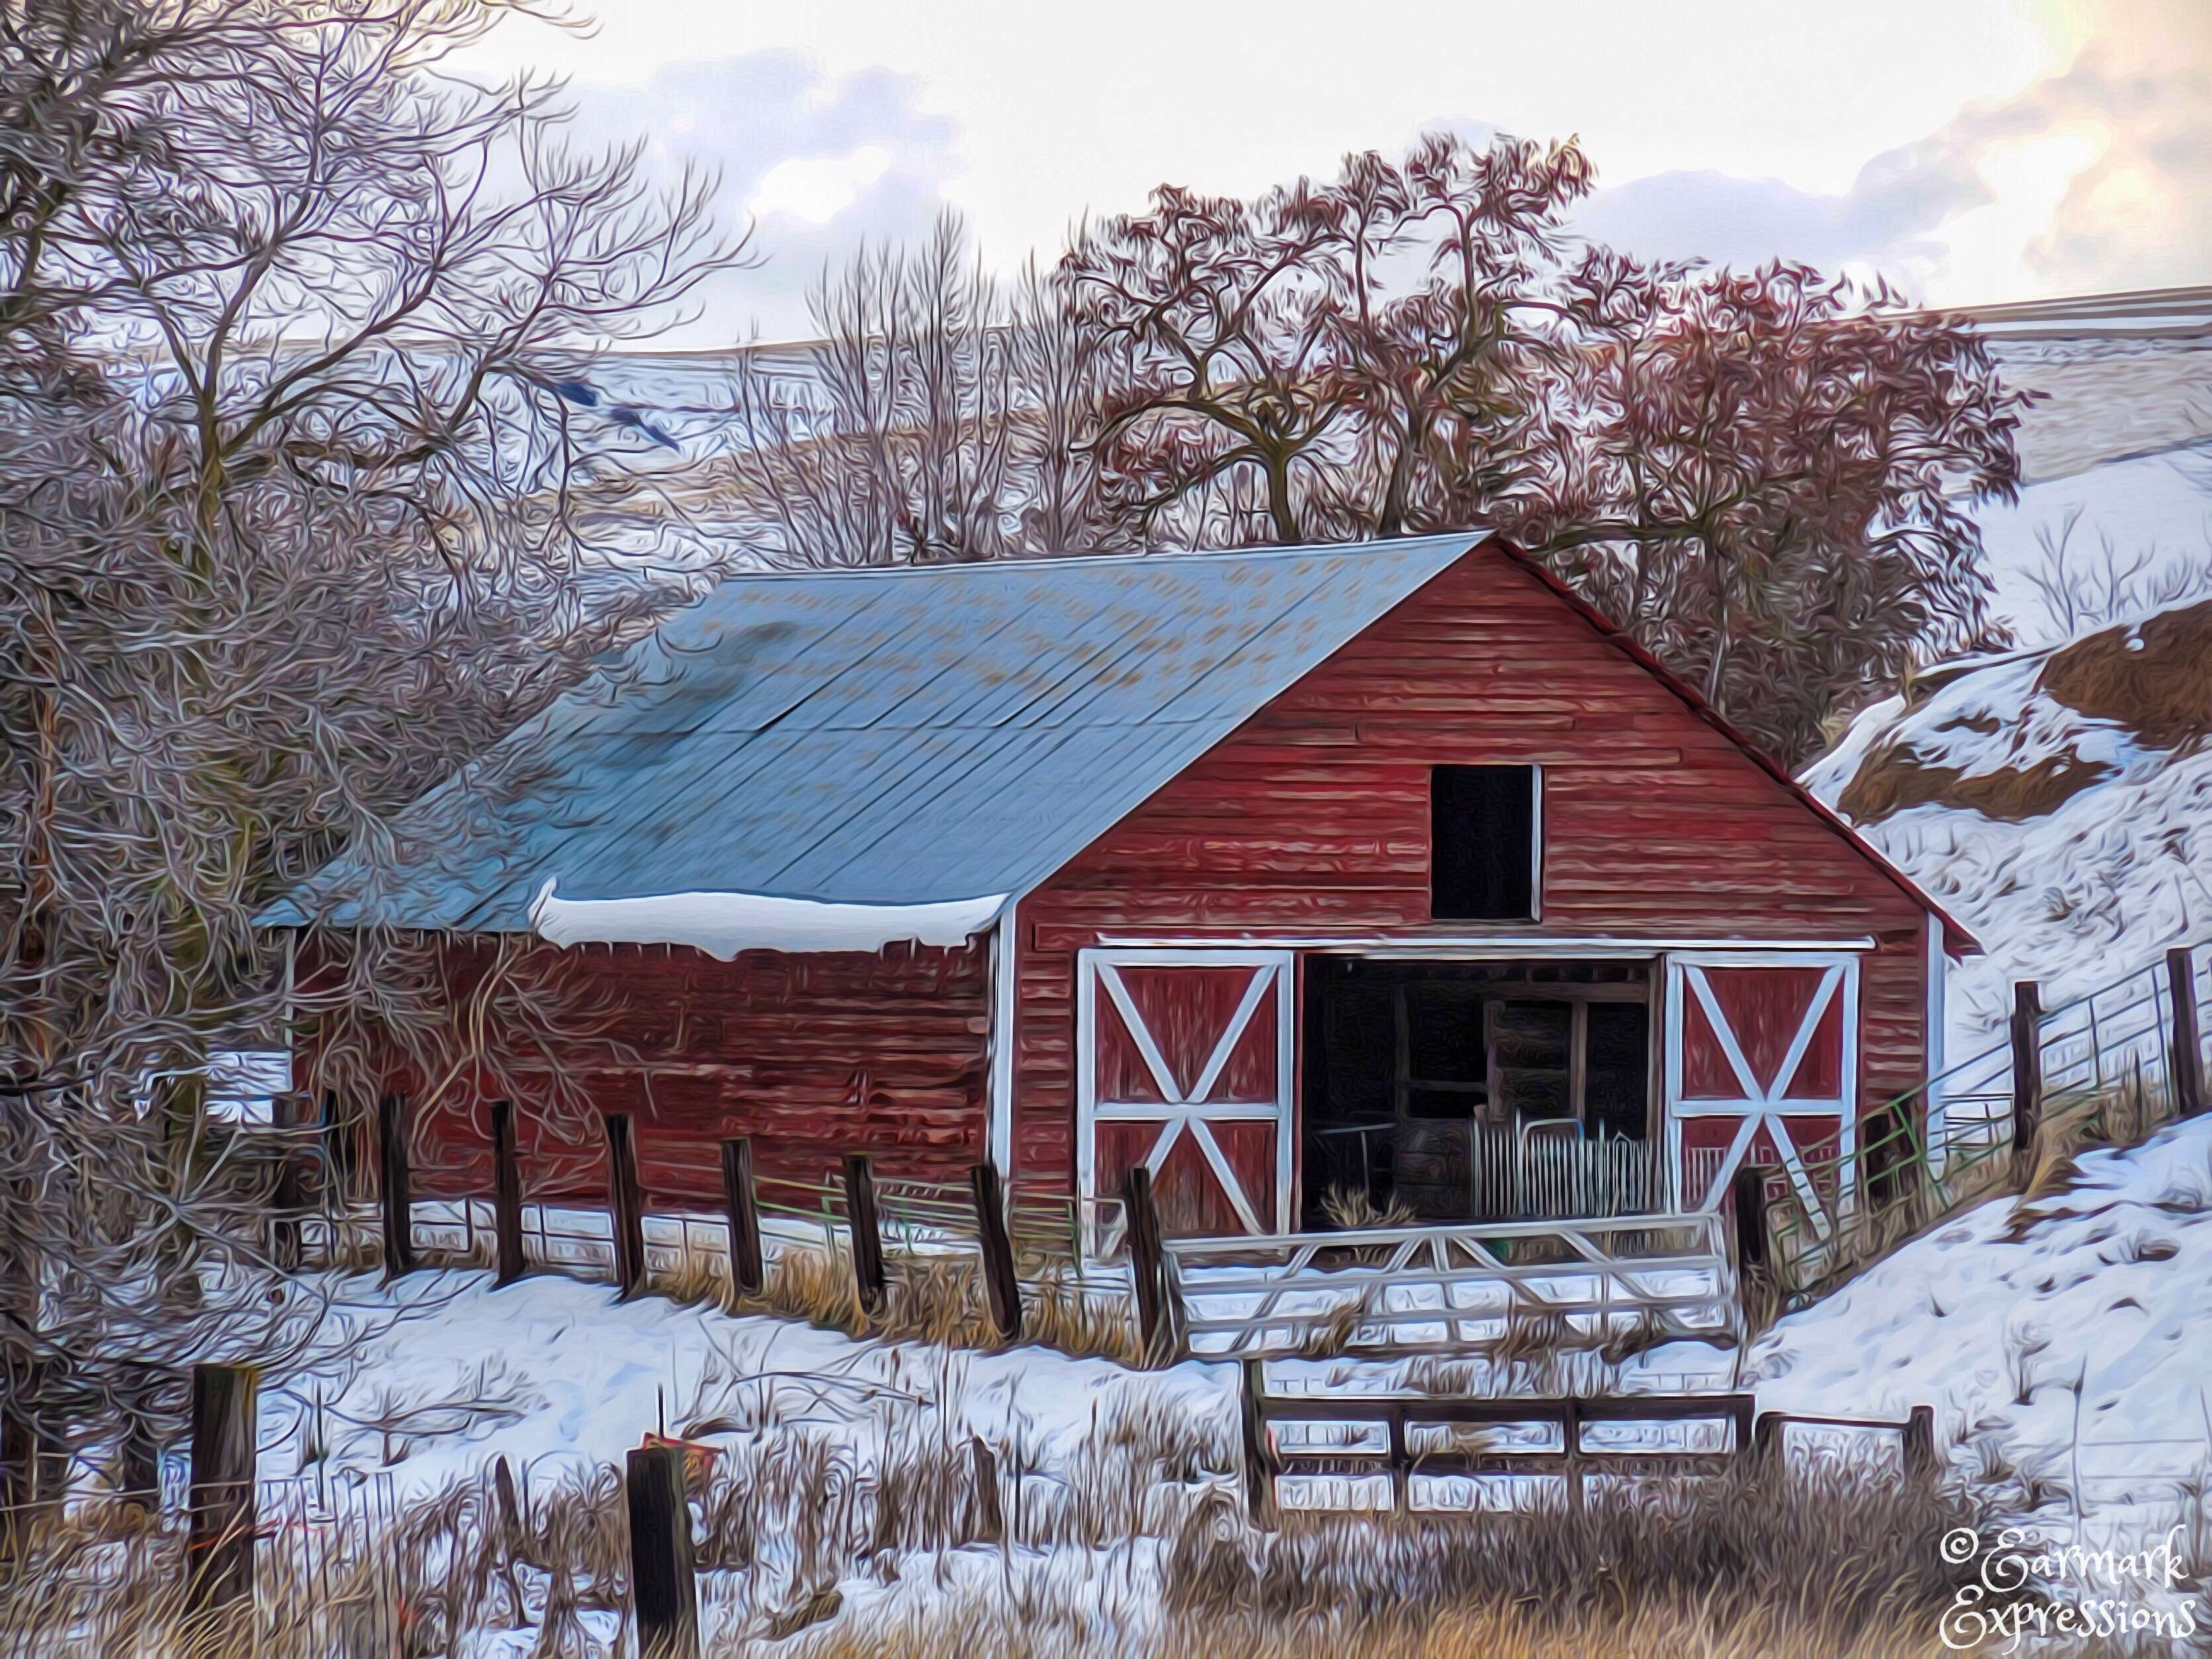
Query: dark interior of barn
(1460,1091)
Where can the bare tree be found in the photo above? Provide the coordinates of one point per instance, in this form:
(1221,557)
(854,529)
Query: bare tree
(1765,475)
(293,497)
(2080,590)
(902,439)
(1216,314)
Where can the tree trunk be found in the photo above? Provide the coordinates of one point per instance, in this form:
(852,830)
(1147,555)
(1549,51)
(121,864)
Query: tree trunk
(1278,498)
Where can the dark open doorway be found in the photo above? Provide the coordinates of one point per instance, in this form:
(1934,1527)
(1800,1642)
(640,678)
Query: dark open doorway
(1444,1091)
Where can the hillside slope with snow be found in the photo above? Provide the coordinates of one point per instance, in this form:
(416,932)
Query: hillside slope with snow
(2058,800)
(2061,1341)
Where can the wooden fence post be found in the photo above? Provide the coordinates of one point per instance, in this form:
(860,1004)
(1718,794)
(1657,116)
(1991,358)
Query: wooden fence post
(628,1202)
(1919,1447)
(2026,1072)
(1259,1465)
(336,1186)
(2185,1058)
(1571,1444)
(1766,1439)
(397,1190)
(990,1516)
(510,1532)
(867,1233)
(219,1549)
(1001,1285)
(138,1452)
(507,1194)
(748,1265)
(664,1588)
(1148,1267)
(1747,1196)
(19,1468)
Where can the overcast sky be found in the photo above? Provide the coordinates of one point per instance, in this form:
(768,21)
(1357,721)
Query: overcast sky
(1969,150)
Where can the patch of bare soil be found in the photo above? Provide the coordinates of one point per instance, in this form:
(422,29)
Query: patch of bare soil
(1894,778)
(2153,678)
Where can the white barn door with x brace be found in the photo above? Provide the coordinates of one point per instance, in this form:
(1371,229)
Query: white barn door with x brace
(1762,1055)
(1183,1064)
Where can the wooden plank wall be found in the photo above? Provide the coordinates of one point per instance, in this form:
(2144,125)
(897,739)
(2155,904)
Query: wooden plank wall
(813,1056)
(1313,818)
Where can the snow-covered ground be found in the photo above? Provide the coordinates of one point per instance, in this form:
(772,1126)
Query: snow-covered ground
(839,1452)
(2142,519)
(430,1378)
(2064,1343)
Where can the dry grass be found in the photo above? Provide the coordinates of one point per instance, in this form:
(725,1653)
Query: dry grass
(1349,1208)
(1894,777)
(933,1298)
(2115,1118)
(2148,679)
(1646,1633)
(1136,1545)
(1793,1568)
(95,1585)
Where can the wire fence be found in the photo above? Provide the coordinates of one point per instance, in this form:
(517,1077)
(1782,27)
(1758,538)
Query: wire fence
(1052,1235)
(97,1569)
(2106,1070)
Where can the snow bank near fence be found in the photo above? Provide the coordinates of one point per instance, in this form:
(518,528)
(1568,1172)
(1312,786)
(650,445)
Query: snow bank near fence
(2058,801)
(2063,1344)
(431,1378)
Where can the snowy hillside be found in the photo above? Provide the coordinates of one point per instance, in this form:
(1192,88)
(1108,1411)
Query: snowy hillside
(2061,1341)
(2059,801)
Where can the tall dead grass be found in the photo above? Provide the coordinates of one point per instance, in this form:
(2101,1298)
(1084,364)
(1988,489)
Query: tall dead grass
(936,1298)
(1136,1546)
(1790,1567)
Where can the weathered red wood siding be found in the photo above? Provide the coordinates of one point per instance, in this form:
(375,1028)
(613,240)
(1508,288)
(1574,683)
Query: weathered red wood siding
(814,1056)
(1313,818)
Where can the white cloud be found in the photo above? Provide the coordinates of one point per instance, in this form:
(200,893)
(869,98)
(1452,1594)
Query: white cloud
(817,188)
(2017,147)
(818,163)
(2092,179)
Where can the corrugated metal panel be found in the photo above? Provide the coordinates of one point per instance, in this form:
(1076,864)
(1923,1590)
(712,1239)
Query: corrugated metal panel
(886,736)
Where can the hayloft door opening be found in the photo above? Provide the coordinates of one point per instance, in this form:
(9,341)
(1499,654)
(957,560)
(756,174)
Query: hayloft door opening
(1183,1064)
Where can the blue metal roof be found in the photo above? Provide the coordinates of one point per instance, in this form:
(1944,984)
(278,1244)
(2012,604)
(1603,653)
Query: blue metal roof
(897,736)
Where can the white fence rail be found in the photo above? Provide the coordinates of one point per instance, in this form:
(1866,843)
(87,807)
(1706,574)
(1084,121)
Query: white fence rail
(1431,1289)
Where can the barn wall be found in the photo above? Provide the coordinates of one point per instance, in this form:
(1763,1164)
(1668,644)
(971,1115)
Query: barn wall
(813,1055)
(1312,817)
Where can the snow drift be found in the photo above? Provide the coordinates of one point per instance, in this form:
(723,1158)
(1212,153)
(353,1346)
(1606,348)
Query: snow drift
(2061,1340)
(723,924)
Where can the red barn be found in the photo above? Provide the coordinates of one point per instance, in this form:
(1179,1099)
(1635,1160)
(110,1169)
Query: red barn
(1388,872)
